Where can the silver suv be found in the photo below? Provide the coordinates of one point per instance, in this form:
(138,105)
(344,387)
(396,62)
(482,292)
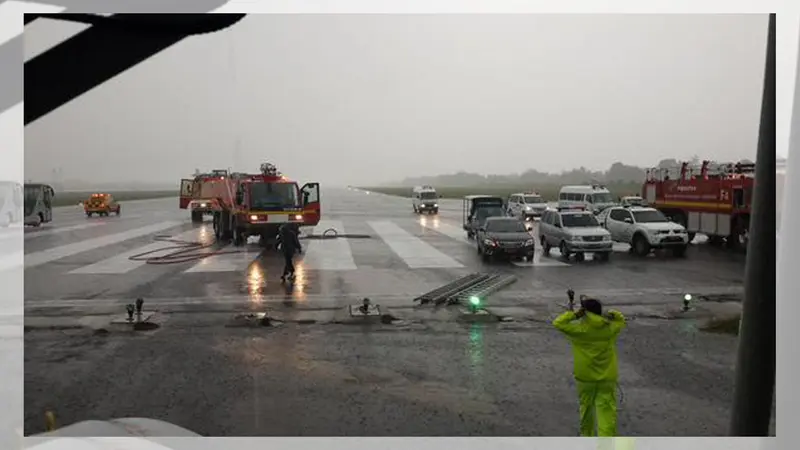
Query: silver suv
(574,232)
(645,229)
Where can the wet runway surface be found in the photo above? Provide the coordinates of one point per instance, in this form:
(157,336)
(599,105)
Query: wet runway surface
(430,373)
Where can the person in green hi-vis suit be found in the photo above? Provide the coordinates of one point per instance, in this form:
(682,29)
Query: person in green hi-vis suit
(593,336)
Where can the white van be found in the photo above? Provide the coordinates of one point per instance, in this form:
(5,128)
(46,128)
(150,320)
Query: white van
(594,198)
(425,199)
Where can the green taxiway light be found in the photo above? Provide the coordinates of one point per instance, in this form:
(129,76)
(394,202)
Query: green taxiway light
(474,301)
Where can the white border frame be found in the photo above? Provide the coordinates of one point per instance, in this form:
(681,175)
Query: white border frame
(788,253)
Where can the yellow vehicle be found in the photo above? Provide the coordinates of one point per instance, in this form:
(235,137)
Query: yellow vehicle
(101,204)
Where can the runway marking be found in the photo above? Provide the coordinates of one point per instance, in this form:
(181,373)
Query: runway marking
(230,262)
(415,252)
(45,256)
(310,301)
(48,231)
(121,263)
(332,254)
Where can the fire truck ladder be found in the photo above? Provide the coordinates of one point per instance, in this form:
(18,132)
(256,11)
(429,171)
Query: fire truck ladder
(476,284)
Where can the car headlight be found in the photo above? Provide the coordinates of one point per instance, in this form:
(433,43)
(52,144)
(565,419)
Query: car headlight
(577,238)
(203,205)
(254,217)
(528,208)
(488,242)
(606,238)
(435,205)
(529,242)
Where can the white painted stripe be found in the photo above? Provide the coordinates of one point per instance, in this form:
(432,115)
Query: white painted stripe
(11,13)
(47,232)
(228,262)
(416,253)
(122,263)
(311,301)
(45,256)
(451,231)
(330,254)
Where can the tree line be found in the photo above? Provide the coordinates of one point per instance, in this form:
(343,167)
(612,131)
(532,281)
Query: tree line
(617,173)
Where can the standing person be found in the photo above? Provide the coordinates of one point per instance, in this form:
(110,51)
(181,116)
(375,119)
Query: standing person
(593,337)
(290,243)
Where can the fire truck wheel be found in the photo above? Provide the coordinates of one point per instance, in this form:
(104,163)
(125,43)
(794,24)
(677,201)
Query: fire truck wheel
(641,246)
(563,249)
(197,217)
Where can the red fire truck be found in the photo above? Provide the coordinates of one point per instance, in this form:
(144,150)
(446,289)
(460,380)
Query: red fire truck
(197,194)
(246,205)
(714,201)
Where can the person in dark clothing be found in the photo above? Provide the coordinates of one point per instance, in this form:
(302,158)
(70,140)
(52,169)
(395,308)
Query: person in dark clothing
(290,243)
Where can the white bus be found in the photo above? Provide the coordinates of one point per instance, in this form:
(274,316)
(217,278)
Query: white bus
(10,203)
(38,204)
(594,197)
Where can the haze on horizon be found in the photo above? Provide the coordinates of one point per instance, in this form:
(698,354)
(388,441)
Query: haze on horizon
(367,99)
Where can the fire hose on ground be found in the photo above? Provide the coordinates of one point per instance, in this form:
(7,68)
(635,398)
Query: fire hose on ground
(189,251)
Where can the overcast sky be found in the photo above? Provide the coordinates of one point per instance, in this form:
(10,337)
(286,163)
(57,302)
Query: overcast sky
(360,99)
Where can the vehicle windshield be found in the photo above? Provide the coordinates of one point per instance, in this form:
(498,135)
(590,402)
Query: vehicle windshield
(533,199)
(489,211)
(31,194)
(275,196)
(427,195)
(649,216)
(602,198)
(579,220)
(506,226)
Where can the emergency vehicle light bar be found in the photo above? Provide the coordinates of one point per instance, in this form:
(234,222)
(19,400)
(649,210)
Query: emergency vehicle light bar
(269,169)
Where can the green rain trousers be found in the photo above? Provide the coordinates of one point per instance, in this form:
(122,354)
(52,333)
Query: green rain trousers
(593,340)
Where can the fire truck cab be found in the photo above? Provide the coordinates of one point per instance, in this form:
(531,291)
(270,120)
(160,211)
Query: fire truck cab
(247,205)
(714,199)
(197,194)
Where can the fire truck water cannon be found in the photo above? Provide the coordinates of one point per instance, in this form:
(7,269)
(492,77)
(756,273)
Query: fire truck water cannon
(713,199)
(257,204)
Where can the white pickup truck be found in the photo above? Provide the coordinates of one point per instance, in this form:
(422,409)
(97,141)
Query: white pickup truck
(645,229)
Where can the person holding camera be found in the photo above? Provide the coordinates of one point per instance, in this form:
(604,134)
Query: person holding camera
(593,336)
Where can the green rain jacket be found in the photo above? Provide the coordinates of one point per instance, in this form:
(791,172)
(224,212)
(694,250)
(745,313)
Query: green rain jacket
(593,340)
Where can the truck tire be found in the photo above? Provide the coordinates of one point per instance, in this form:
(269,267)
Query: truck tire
(197,217)
(640,245)
(238,236)
(562,247)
